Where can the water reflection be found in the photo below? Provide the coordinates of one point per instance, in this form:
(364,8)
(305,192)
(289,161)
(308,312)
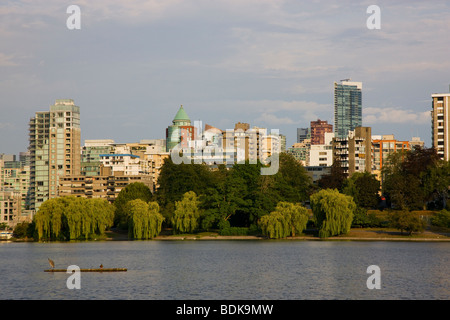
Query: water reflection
(227,270)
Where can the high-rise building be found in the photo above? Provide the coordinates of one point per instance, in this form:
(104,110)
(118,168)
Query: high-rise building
(55,149)
(318,130)
(302,134)
(440,124)
(347,107)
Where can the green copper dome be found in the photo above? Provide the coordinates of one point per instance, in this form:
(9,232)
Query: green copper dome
(181,115)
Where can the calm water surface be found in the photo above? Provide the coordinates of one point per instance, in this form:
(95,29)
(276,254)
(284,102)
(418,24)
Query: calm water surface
(198,270)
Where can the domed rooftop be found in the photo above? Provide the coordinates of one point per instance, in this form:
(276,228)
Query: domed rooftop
(181,115)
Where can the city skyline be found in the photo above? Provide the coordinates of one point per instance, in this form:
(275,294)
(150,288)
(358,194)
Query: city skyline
(267,63)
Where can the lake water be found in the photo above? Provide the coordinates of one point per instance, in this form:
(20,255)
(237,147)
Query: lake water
(227,270)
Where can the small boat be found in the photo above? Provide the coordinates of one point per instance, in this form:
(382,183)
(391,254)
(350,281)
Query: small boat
(90,270)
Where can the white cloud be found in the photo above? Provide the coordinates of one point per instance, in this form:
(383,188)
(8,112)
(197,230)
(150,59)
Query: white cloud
(7,60)
(395,116)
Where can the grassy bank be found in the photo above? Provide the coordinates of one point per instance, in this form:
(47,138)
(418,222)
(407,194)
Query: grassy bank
(366,234)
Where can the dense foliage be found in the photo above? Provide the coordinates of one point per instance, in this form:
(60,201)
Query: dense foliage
(239,200)
(333,212)
(364,188)
(70,218)
(187,213)
(231,197)
(133,191)
(407,221)
(441,219)
(145,220)
(413,178)
(288,219)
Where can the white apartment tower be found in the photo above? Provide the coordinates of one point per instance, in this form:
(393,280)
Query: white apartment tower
(440,124)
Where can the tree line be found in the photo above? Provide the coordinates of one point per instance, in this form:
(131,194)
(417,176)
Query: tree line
(239,200)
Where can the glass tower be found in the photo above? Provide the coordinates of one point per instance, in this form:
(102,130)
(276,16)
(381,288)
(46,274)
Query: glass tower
(347,107)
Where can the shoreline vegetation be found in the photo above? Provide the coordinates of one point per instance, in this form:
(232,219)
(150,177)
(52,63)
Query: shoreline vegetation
(355,234)
(431,234)
(193,202)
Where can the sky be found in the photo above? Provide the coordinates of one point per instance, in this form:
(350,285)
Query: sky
(270,63)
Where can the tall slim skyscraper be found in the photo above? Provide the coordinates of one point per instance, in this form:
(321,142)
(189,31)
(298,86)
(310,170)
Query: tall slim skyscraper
(55,149)
(440,124)
(347,107)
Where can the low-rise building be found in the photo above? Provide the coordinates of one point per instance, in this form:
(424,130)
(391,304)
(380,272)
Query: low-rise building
(107,185)
(321,155)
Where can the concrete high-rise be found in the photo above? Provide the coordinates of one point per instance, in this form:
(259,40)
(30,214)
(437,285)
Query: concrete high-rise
(347,107)
(55,149)
(354,153)
(440,124)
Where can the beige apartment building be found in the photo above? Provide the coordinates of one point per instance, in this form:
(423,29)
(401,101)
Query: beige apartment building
(355,151)
(10,206)
(55,151)
(107,185)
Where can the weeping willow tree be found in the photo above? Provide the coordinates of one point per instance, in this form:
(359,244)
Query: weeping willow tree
(187,213)
(49,219)
(70,218)
(145,220)
(287,219)
(333,212)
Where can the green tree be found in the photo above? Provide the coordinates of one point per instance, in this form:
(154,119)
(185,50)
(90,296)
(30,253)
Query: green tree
(145,220)
(70,218)
(364,188)
(133,191)
(187,213)
(291,181)
(177,179)
(333,212)
(287,219)
(407,221)
(441,219)
(21,230)
(405,177)
(220,203)
(437,182)
(335,179)
(275,225)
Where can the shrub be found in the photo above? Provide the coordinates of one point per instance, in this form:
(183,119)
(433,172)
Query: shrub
(407,221)
(441,219)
